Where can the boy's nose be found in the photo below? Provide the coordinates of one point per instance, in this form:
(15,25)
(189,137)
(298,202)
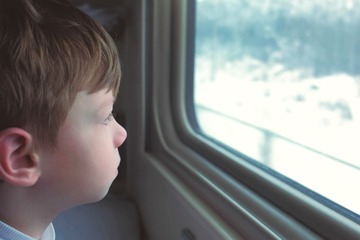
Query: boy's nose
(120,135)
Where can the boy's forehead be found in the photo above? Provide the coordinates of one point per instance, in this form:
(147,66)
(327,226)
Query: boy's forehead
(94,100)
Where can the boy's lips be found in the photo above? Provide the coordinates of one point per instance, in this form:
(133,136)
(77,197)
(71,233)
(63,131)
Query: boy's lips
(119,161)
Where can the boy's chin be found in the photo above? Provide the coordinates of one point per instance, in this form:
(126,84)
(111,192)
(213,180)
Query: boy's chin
(95,196)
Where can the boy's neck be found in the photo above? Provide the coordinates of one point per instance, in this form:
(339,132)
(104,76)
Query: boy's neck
(23,213)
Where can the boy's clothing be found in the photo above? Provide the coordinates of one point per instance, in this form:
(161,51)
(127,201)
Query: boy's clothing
(9,233)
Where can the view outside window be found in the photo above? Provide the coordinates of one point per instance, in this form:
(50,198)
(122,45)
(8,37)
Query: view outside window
(279,81)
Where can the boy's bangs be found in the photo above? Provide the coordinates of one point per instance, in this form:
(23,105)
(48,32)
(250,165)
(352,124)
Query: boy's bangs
(105,72)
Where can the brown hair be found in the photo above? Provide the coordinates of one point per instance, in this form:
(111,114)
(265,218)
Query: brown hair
(49,51)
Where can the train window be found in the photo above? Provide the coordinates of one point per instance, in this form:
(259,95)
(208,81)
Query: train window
(278,82)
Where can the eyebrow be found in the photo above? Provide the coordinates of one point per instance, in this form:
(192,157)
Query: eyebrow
(104,102)
(108,101)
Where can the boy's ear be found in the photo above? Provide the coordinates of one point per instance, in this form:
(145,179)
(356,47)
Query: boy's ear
(19,164)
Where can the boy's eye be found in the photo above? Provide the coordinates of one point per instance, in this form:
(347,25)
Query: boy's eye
(108,119)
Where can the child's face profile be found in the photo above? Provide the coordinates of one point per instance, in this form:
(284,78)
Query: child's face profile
(84,163)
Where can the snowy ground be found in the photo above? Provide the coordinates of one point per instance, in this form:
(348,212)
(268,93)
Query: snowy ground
(309,127)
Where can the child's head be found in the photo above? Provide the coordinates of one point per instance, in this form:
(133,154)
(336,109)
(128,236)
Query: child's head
(49,52)
(59,76)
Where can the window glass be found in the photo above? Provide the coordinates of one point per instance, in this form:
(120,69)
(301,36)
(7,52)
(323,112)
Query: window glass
(279,81)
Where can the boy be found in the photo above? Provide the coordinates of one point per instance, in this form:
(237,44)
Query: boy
(59,76)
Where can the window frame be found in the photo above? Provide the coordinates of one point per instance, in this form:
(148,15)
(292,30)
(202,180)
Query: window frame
(254,203)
